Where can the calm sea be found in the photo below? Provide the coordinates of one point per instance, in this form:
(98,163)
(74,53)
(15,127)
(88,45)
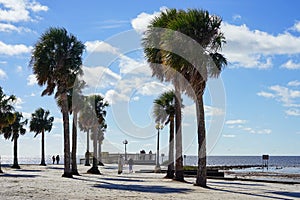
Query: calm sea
(276,161)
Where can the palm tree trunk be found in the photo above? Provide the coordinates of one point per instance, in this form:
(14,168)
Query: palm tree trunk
(170,171)
(178,153)
(67,170)
(87,154)
(94,169)
(74,144)
(43,148)
(201,172)
(15,164)
(100,152)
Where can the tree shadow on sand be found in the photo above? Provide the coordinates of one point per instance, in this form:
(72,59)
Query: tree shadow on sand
(19,175)
(141,188)
(288,194)
(239,190)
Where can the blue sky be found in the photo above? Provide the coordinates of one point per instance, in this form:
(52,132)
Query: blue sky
(252,109)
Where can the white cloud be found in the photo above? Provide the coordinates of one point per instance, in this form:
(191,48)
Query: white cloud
(229,136)
(18,103)
(19,69)
(254,48)
(12,50)
(9,28)
(141,22)
(282,94)
(293,112)
(290,64)
(19,10)
(100,46)
(131,66)
(236,121)
(296,26)
(260,131)
(153,88)
(112,96)
(36,6)
(209,110)
(31,80)
(99,76)
(295,83)
(236,17)
(2,74)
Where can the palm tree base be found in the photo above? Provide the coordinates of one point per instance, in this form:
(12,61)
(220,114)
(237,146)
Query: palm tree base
(87,164)
(100,163)
(201,185)
(179,176)
(16,167)
(94,170)
(75,173)
(43,164)
(67,175)
(170,174)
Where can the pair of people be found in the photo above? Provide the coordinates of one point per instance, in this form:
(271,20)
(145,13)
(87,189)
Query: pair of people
(121,164)
(55,159)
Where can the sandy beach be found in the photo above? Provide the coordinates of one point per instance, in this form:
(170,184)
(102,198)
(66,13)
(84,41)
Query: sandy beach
(45,182)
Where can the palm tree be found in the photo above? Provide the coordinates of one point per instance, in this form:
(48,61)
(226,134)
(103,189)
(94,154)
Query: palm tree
(75,101)
(85,125)
(13,131)
(95,109)
(155,55)
(202,42)
(164,113)
(6,108)
(39,123)
(56,61)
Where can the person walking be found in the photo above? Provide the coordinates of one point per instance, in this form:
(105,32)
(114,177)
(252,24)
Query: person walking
(53,160)
(130,164)
(57,159)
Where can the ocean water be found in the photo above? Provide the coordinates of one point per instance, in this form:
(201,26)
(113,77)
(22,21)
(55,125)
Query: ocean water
(274,161)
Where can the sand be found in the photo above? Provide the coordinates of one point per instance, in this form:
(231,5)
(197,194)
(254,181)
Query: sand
(45,182)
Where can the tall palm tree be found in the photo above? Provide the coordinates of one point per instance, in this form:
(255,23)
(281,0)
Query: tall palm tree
(201,29)
(39,123)
(164,113)
(155,55)
(13,131)
(6,109)
(75,102)
(56,61)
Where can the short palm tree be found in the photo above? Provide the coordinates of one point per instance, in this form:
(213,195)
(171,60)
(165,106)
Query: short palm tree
(13,131)
(6,109)
(195,56)
(95,110)
(56,61)
(40,123)
(164,113)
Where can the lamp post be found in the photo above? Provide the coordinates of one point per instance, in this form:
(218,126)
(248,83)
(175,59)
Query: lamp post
(125,142)
(158,127)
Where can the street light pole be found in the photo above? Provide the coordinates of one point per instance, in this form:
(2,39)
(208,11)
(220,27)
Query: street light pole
(125,142)
(157,167)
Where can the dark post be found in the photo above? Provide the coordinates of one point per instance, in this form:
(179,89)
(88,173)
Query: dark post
(157,166)
(125,142)
(0,166)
